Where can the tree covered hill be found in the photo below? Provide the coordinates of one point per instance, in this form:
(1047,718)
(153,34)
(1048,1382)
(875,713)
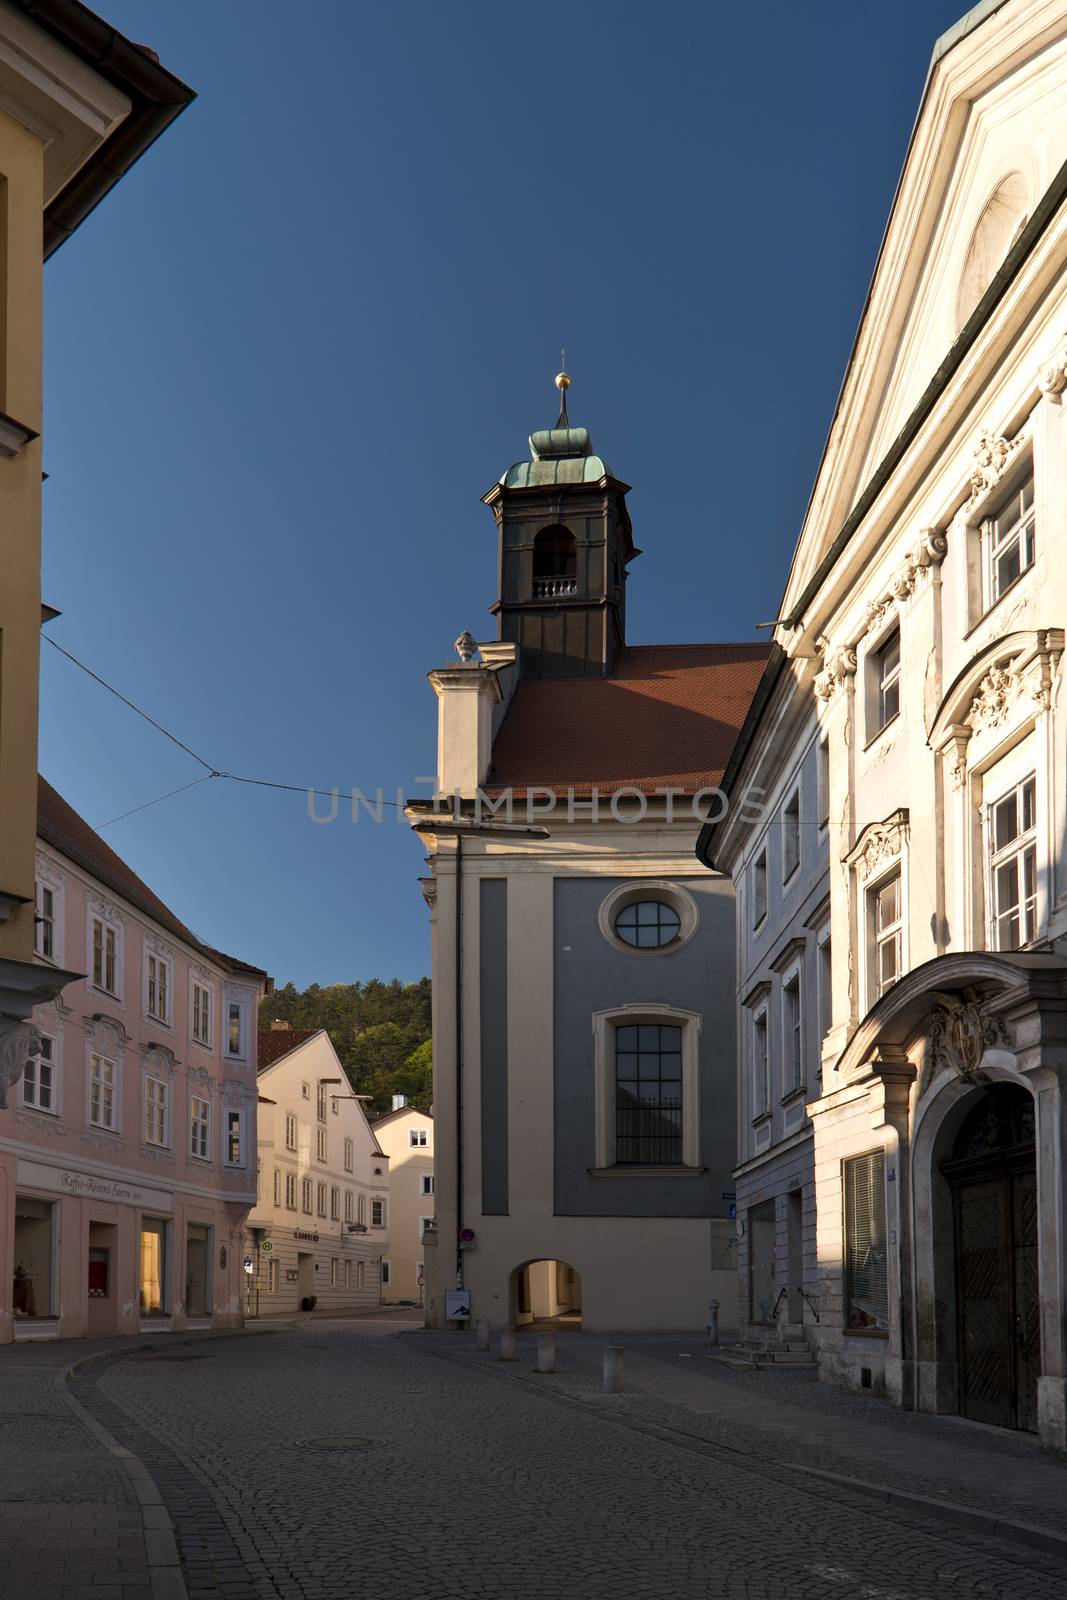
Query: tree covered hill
(381,1032)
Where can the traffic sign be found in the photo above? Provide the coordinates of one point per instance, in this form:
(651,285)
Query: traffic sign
(266,1247)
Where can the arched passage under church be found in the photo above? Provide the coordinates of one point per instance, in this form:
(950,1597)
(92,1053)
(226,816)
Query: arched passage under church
(546,1295)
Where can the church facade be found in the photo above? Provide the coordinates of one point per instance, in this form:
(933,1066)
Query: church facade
(902,898)
(583,962)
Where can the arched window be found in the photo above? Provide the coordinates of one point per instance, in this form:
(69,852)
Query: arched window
(554,564)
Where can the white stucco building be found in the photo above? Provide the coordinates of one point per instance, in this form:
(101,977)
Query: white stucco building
(582,962)
(902,893)
(406,1136)
(320,1225)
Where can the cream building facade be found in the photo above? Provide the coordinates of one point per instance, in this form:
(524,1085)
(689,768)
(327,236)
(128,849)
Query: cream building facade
(900,870)
(406,1136)
(582,965)
(320,1225)
(78,104)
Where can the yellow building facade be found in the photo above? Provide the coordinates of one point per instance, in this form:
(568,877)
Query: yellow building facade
(78,105)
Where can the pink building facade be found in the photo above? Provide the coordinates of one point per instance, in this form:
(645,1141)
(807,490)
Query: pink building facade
(128,1146)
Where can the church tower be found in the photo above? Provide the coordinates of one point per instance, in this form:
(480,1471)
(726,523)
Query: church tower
(565,541)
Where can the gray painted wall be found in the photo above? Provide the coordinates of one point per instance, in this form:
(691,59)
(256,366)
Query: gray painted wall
(591,975)
(493,1010)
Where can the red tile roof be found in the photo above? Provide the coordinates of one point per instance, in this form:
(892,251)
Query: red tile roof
(277,1042)
(59,825)
(666,718)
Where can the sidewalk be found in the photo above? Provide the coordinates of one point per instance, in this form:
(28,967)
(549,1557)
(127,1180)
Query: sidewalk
(827,1440)
(79,1518)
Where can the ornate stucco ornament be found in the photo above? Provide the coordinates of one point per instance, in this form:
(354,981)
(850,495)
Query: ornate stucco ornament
(1052,379)
(995,697)
(960,1034)
(839,663)
(929,552)
(18,1042)
(991,456)
(880,842)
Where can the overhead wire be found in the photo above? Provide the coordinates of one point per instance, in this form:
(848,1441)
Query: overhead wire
(210,771)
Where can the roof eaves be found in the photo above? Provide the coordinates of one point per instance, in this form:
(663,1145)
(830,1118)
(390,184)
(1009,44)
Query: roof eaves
(156,96)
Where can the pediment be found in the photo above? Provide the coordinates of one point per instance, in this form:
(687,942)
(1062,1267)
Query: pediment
(987,145)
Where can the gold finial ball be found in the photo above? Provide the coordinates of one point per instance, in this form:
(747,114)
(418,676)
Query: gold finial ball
(562,381)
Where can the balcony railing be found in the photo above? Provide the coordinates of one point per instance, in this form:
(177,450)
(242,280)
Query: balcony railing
(555,588)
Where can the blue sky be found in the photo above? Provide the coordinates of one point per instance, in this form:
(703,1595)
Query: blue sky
(289,353)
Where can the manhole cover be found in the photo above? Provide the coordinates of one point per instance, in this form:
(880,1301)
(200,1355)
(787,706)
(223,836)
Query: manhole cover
(341,1443)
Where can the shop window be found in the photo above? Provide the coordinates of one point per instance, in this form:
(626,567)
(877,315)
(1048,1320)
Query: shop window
(153,1267)
(762,1228)
(33,1290)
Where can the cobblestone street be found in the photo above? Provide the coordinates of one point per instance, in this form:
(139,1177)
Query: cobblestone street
(341,1459)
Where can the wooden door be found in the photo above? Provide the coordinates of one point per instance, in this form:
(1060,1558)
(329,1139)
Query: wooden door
(985,1297)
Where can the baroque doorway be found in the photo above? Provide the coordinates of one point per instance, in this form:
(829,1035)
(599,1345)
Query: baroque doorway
(992,1174)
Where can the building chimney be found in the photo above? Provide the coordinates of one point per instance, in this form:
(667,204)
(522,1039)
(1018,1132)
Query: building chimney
(399,1102)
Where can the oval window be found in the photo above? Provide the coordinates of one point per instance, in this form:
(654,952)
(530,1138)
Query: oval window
(647,924)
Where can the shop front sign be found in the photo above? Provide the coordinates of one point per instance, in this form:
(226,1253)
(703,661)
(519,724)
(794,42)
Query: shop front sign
(87,1186)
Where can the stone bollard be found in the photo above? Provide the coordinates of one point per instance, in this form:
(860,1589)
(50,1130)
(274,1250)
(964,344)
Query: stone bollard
(713,1322)
(613,1369)
(481,1333)
(546,1352)
(507,1344)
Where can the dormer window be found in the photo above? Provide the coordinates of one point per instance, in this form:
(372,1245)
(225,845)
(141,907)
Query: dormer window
(555,564)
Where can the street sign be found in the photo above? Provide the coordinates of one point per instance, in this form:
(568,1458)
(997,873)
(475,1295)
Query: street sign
(266,1247)
(249,1268)
(466,1238)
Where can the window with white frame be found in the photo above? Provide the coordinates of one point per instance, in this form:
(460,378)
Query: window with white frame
(320,1144)
(361,1212)
(45,930)
(157,986)
(156,1108)
(200,1128)
(321,1102)
(416,1138)
(791,836)
(377,1213)
(1010,540)
(234,1029)
(348,1155)
(761,1078)
(884,684)
(885,916)
(424,1223)
(335,1204)
(866,1254)
(320,1199)
(105,957)
(759,888)
(348,1274)
(792,1034)
(350,1214)
(235,1137)
(103,1093)
(201,1013)
(306,1195)
(40,1078)
(272,1276)
(1012,831)
(335,1104)
(305,1091)
(277,1186)
(290,1190)
(426,1183)
(361,1274)
(333,1272)
(385,1273)
(290,1131)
